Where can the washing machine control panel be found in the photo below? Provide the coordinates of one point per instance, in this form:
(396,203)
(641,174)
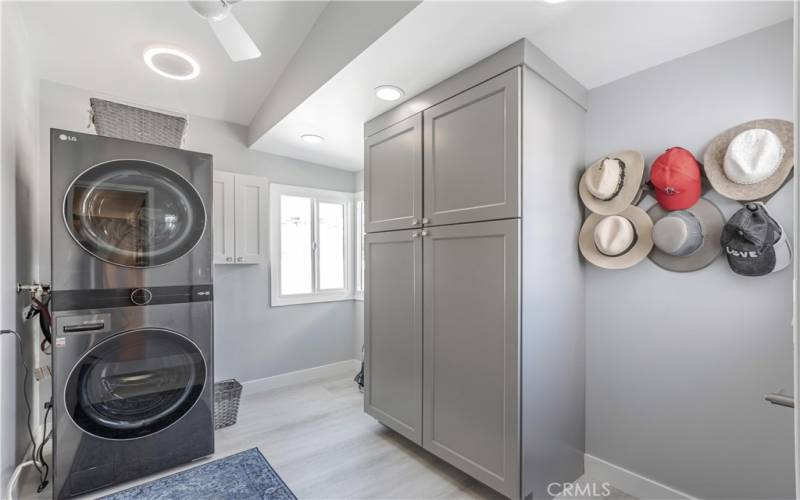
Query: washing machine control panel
(70,300)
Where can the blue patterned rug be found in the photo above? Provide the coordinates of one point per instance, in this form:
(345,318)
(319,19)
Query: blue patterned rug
(245,475)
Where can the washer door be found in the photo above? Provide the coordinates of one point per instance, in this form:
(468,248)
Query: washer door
(135,384)
(134,213)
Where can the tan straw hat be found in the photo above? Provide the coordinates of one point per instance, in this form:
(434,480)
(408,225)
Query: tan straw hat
(752,160)
(612,183)
(617,241)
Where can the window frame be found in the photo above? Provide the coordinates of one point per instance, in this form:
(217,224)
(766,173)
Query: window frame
(316,196)
(359,233)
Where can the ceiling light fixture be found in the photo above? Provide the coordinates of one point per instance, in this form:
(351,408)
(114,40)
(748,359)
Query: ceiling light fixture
(312,138)
(171,63)
(389,92)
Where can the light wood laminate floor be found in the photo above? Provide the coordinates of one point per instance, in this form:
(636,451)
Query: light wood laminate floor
(317,437)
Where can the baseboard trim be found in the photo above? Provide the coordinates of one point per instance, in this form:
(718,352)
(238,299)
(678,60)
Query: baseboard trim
(344,368)
(630,482)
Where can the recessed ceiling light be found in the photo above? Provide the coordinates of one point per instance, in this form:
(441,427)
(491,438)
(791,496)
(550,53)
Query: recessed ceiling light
(171,63)
(389,92)
(312,138)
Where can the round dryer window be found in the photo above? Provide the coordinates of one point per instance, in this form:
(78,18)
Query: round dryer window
(134,213)
(135,384)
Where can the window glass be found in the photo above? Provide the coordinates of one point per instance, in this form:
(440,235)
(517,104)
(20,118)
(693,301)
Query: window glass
(331,246)
(295,244)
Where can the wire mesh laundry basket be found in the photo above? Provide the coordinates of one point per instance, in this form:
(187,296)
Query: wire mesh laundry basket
(112,119)
(226,402)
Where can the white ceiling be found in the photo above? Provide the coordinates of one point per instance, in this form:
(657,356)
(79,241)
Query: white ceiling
(99,45)
(596,42)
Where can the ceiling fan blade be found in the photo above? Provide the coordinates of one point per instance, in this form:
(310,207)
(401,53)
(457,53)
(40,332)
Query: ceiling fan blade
(234,39)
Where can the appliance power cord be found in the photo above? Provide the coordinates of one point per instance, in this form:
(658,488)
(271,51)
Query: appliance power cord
(42,474)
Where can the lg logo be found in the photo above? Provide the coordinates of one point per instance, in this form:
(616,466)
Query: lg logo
(70,138)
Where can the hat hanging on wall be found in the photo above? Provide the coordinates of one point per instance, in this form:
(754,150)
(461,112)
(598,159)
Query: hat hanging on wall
(752,160)
(755,243)
(617,241)
(686,240)
(611,184)
(676,179)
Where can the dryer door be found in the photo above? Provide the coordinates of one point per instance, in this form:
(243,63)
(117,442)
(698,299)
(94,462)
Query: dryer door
(135,384)
(134,213)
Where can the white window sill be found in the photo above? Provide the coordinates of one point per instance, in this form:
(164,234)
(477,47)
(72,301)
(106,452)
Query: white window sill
(309,299)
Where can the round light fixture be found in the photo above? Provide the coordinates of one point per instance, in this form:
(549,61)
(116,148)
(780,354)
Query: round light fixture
(312,138)
(171,63)
(389,92)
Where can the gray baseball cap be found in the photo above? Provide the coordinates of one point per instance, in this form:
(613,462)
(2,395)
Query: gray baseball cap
(755,243)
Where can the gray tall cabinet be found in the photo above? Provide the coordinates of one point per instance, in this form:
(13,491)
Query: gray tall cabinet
(473,287)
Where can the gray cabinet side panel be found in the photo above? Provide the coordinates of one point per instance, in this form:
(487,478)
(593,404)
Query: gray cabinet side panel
(553,359)
(393,331)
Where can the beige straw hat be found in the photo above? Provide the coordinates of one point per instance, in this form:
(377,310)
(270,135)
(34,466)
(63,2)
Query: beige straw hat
(617,241)
(612,183)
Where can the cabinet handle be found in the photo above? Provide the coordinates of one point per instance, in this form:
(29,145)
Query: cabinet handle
(415,234)
(229,259)
(425,220)
(424,233)
(414,222)
(239,259)
(780,399)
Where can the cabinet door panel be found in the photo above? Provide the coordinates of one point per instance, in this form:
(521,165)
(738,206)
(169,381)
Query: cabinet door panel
(251,219)
(471,154)
(393,331)
(471,350)
(393,177)
(224,250)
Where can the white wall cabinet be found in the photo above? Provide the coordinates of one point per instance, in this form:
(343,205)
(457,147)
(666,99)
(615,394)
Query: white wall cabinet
(240,218)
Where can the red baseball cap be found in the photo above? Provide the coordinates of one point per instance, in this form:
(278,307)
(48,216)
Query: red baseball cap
(675,175)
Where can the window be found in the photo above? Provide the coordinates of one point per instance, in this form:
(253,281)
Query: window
(310,245)
(359,253)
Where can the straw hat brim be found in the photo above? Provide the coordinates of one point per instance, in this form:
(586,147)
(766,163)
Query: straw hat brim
(644,240)
(714,158)
(634,172)
(711,221)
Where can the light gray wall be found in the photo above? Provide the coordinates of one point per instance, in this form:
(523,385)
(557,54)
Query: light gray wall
(17,263)
(253,340)
(678,364)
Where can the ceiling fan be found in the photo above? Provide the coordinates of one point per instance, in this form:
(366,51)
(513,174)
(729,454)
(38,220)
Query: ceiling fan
(234,39)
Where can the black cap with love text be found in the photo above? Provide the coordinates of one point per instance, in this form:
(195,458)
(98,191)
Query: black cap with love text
(754,242)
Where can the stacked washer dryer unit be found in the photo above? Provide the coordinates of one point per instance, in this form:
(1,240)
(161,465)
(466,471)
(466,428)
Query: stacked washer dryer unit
(132,309)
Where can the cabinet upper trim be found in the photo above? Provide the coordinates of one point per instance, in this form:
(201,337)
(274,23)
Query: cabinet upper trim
(520,53)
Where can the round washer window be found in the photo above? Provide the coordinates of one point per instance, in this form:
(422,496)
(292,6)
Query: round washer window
(134,213)
(135,384)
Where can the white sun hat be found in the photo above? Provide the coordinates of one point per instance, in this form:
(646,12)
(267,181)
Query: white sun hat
(752,160)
